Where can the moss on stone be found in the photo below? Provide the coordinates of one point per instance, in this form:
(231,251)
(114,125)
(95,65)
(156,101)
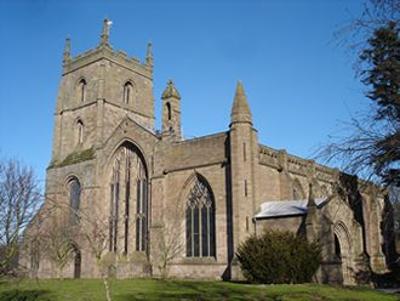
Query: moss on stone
(75,157)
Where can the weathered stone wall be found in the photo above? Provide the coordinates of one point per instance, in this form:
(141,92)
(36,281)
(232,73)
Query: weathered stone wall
(195,152)
(292,224)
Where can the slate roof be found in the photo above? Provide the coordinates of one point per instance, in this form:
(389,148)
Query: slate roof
(273,209)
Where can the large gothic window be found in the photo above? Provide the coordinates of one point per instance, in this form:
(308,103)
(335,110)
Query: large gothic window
(128,227)
(74,199)
(200,220)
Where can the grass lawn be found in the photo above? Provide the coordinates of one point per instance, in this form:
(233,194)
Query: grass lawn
(147,289)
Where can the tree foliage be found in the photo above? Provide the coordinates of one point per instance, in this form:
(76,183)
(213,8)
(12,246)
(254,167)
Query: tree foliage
(372,149)
(382,77)
(382,72)
(370,146)
(279,257)
(355,33)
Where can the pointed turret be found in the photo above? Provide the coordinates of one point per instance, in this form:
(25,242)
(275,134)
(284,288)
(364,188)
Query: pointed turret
(243,161)
(170,91)
(171,121)
(105,34)
(67,50)
(149,55)
(240,108)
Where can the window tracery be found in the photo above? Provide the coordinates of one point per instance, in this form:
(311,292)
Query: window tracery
(128,177)
(200,221)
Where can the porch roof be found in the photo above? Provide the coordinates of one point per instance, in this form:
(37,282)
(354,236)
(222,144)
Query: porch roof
(272,209)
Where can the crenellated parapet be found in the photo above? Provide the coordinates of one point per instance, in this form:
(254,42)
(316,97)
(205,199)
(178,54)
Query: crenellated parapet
(297,166)
(281,160)
(269,157)
(118,57)
(105,51)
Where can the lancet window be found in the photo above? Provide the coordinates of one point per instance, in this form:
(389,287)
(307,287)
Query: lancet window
(74,199)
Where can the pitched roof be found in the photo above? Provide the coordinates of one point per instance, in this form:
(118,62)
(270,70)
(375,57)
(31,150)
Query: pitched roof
(286,208)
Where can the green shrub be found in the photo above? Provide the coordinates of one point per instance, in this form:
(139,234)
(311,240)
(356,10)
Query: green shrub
(279,257)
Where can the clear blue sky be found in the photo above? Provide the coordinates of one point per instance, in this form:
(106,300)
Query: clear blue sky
(298,82)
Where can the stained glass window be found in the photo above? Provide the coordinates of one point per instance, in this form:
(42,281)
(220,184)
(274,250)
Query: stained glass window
(128,179)
(75,199)
(200,221)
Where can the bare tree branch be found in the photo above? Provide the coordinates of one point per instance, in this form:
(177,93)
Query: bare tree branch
(20,199)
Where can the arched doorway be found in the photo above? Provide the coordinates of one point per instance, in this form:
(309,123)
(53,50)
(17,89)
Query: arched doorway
(128,201)
(338,278)
(343,252)
(77,262)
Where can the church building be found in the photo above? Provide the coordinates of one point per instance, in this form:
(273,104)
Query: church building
(185,205)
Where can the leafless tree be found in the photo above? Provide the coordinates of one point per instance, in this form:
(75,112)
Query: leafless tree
(20,199)
(354,34)
(170,244)
(75,228)
(354,152)
(57,240)
(94,232)
(369,143)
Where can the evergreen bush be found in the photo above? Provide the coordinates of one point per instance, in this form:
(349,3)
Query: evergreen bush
(279,257)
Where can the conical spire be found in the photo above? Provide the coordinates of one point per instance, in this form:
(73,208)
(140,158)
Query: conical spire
(170,91)
(149,55)
(240,108)
(67,50)
(105,34)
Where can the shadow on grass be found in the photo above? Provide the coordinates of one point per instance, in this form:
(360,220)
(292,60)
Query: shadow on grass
(187,290)
(25,295)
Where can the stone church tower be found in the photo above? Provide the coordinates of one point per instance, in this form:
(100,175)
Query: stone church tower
(91,99)
(119,187)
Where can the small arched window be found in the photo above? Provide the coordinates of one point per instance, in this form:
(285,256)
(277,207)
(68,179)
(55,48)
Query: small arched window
(338,252)
(80,130)
(128,92)
(200,220)
(74,199)
(298,193)
(82,90)
(169,110)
